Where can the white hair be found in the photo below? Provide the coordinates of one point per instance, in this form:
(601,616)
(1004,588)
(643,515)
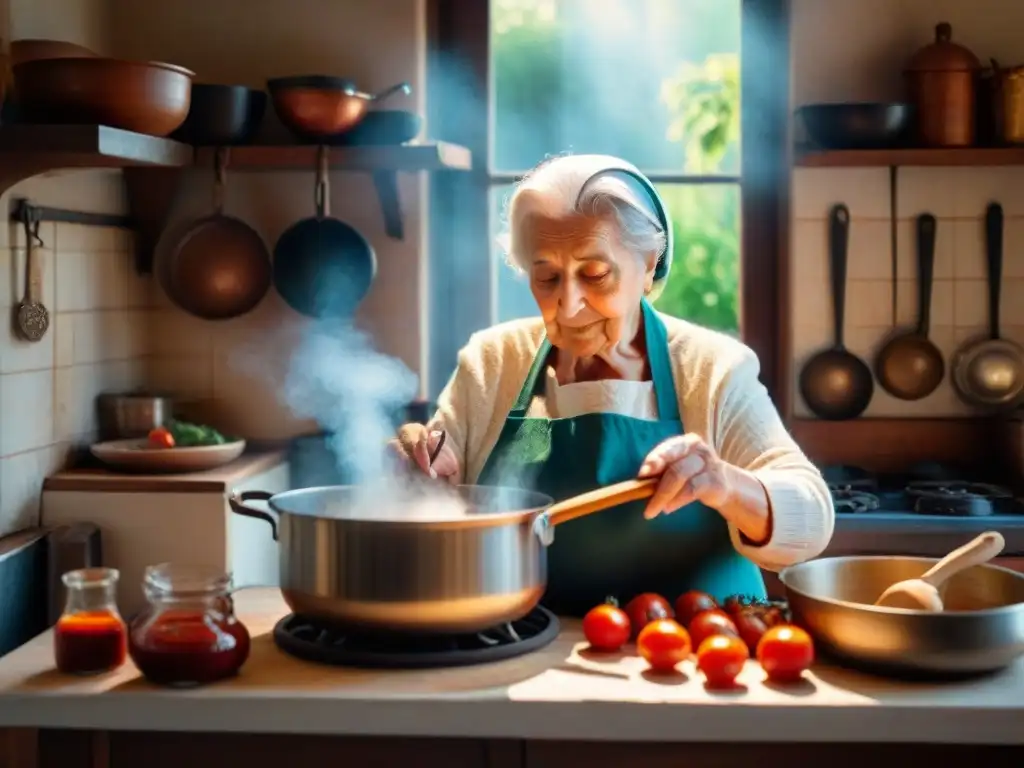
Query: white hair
(552,189)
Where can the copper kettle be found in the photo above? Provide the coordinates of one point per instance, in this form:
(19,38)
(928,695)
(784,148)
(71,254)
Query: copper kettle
(942,79)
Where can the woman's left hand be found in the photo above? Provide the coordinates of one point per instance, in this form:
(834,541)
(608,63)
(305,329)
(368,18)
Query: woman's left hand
(690,471)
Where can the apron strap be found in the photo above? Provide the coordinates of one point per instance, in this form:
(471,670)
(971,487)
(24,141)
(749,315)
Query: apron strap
(522,404)
(661,364)
(657,354)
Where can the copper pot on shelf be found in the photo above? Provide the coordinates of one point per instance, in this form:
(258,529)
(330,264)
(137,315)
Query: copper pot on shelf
(942,80)
(1002,103)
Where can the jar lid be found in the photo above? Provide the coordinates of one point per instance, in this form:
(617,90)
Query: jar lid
(943,55)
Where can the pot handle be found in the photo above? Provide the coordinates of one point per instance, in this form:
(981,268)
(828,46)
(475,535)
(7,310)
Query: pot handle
(588,503)
(387,93)
(237,501)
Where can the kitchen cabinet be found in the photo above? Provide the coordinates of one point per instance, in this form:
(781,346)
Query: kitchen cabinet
(148,519)
(623,755)
(100,749)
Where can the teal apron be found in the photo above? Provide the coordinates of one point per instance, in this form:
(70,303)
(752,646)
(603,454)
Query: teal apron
(616,552)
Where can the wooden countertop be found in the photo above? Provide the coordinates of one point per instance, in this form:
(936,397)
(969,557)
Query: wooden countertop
(559,692)
(216,480)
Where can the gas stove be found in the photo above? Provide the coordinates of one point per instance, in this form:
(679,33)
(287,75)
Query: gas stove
(314,642)
(924,492)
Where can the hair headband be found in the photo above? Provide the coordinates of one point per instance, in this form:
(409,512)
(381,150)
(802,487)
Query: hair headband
(665,259)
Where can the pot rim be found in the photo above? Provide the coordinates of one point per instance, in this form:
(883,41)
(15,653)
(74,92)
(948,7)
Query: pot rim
(946,616)
(97,62)
(534,504)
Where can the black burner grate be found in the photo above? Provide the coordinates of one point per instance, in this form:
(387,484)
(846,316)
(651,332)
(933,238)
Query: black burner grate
(311,641)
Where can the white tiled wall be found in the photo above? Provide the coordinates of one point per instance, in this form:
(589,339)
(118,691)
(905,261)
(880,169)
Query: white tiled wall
(96,342)
(957,197)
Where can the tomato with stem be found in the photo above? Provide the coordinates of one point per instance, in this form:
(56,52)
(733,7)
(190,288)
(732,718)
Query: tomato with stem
(645,608)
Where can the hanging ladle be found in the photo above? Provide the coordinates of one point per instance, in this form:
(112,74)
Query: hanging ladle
(910,366)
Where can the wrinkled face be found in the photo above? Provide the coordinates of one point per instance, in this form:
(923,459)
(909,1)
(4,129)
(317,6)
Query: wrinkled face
(587,284)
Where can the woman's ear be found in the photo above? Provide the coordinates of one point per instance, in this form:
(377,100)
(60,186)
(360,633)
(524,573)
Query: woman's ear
(651,264)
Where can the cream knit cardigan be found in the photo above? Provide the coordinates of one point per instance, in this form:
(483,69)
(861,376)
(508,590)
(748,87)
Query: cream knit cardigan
(720,399)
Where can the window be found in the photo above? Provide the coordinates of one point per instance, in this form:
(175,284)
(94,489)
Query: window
(691,91)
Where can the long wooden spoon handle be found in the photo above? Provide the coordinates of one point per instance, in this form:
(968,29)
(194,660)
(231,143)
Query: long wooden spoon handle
(975,552)
(602,498)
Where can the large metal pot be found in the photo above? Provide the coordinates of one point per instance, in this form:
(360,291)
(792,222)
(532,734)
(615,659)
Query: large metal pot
(981,630)
(344,563)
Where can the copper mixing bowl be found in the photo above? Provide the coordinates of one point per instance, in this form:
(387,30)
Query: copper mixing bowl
(321,107)
(145,97)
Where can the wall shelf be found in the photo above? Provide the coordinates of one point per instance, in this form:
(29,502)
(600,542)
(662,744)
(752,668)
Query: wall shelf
(51,147)
(153,167)
(29,150)
(866,158)
(428,156)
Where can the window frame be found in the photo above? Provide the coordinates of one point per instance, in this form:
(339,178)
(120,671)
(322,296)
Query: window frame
(459,206)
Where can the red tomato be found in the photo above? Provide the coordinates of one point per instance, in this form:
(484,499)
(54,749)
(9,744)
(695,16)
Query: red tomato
(715,622)
(663,644)
(160,438)
(606,627)
(785,652)
(645,608)
(721,659)
(689,604)
(751,628)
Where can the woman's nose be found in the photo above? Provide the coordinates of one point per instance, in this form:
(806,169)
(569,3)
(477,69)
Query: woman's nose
(570,300)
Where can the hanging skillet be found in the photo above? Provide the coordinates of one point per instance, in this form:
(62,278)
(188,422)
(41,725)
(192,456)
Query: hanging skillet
(323,267)
(219,267)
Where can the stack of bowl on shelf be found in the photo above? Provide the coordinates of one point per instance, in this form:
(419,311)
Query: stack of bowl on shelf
(57,82)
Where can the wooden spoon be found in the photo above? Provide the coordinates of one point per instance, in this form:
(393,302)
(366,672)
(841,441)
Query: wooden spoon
(588,503)
(922,594)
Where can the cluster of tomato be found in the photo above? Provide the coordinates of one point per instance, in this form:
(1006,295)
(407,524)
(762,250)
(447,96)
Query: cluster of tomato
(724,637)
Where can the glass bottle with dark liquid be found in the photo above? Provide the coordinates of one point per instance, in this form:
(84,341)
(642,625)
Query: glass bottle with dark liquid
(90,637)
(188,635)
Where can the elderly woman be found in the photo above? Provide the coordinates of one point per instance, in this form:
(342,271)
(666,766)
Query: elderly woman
(602,388)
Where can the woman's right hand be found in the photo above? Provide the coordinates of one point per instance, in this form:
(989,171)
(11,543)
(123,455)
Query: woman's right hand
(415,444)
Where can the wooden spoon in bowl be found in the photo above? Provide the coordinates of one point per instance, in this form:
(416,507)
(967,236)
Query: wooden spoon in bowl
(922,594)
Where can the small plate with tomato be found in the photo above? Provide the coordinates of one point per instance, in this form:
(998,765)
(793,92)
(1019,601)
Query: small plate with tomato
(175,448)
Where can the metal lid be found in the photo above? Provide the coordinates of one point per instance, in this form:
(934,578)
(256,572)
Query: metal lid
(943,55)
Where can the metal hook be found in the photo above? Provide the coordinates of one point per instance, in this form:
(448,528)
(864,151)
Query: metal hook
(31,220)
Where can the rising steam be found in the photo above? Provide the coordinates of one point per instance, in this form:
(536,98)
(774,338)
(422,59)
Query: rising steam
(337,378)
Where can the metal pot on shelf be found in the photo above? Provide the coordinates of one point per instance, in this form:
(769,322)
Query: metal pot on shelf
(132,414)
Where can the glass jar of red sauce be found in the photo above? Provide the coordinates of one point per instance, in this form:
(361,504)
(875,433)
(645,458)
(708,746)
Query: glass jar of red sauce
(90,637)
(188,634)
